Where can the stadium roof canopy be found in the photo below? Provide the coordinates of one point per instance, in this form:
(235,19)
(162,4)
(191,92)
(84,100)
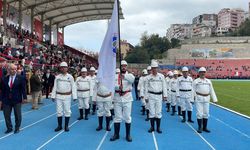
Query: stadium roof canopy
(67,12)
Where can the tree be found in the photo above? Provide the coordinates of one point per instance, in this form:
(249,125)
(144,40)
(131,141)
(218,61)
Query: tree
(243,30)
(150,47)
(175,43)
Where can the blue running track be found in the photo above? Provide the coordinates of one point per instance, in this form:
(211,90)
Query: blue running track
(229,131)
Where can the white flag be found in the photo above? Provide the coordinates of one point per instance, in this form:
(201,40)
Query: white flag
(107,55)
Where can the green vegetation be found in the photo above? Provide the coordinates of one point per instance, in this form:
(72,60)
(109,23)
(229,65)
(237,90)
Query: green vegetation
(150,47)
(234,95)
(243,30)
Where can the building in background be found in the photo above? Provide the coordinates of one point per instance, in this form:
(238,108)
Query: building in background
(179,31)
(230,18)
(125,48)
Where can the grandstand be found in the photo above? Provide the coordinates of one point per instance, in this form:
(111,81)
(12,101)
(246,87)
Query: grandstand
(223,57)
(32,32)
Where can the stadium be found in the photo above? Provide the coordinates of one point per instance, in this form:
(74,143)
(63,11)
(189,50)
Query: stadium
(33,51)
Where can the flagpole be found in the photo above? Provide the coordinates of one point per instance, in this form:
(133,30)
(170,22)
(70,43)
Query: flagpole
(119,42)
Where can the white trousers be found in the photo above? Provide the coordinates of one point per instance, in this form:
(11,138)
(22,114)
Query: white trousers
(155,108)
(103,109)
(63,107)
(202,106)
(173,99)
(83,103)
(186,104)
(122,112)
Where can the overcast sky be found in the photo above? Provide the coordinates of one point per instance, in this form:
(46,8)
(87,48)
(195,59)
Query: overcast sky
(153,16)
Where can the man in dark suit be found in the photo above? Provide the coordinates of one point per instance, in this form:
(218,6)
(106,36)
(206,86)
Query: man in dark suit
(12,95)
(48,82)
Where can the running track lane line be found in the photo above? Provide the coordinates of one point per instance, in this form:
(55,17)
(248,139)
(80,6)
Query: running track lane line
(155,141)
(103,138)
(55,136)
(242,133)
(210,145)
(27,112)
(31,124)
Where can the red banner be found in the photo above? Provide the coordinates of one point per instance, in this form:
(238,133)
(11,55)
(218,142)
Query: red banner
(1,7)
(60,40)
(38,29)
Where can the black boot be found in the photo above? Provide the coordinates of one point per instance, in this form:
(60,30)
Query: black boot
(183,116)
(108,124)
(81,114)
(147,119)
(117,132)
(93,109)
(143,110)
(152,123)
(128,137)
(86,114)
(179,110)
(158,125)
(173,110)
(168,107)
(190,117)
(205,125)
(112,114)
(59,121)
(199,125)
(100,120)
(66,127)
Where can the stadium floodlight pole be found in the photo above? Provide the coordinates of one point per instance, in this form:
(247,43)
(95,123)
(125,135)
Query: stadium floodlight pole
(119,41)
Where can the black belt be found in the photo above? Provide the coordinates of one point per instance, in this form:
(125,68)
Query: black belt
(156,93)
(173,91)
(185,90)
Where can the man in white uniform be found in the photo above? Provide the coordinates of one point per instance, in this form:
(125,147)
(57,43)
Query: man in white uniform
(123,101)
(84,93)
(203,89)
(63,91)
(168,78)
(103,100)
(155,91)
(172,90)
(93,79)
(185,93)
(139,87)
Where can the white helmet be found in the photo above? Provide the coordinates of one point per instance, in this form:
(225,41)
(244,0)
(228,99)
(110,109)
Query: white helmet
(149,68)
(63,64)
(117,70)
(175,72)
(170,73)
(202,69)
(154,64)
(123,62)
(144,71)
(184,69)
(83,69)
(92,69)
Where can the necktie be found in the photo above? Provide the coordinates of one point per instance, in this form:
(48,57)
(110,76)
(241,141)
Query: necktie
(11,82)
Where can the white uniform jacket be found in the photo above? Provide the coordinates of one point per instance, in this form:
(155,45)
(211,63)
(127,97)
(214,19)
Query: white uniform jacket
(185,88)
(126,94)
(84,87)
(155,84)
(204,88)
(64,84)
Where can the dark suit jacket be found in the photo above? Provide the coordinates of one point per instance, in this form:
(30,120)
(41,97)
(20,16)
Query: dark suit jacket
(48,82)
(35,83)
(18,92)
